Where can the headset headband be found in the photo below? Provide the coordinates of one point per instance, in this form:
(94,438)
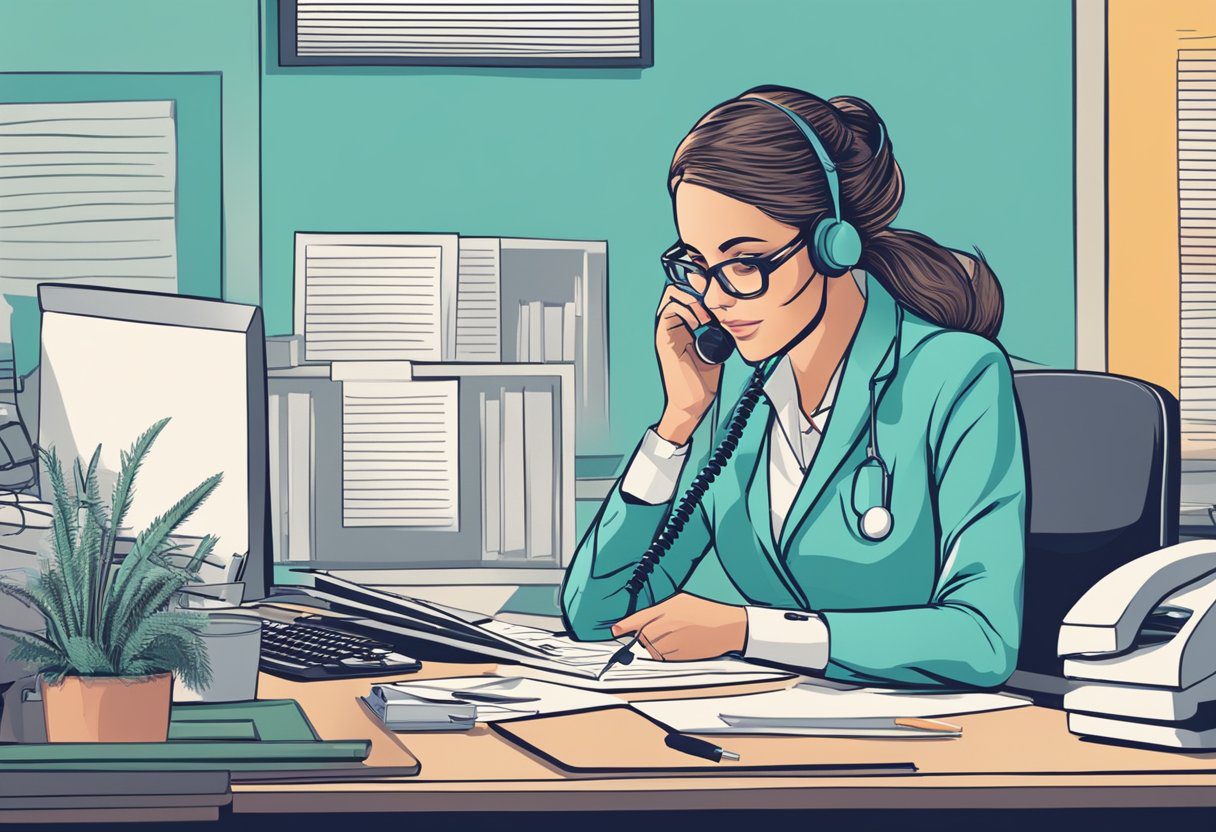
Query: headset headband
(821,152)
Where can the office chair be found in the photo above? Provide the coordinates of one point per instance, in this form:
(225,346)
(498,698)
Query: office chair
(1103,473)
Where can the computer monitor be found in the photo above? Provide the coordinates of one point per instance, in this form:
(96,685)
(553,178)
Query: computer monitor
(114,361)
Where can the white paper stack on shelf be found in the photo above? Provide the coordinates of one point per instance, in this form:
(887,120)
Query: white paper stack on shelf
(542,654)
(369,297)
(520,476)
(822,708)
(546,332)
(400,450)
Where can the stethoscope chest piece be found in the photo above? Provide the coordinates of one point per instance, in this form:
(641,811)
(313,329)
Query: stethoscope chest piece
(876,523)
(872,499)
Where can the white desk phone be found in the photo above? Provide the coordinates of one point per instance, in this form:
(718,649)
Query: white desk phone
(1143,642)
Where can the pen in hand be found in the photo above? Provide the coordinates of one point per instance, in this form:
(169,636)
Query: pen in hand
(622,656)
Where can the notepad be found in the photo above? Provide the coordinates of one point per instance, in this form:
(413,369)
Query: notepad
(400,454)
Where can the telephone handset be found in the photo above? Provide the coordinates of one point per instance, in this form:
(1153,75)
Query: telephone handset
(1150,622)
(713,344)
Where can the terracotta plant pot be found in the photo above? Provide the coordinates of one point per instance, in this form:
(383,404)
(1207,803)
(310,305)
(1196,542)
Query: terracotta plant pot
(108,709)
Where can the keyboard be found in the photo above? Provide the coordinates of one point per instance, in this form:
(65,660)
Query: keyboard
(308,652)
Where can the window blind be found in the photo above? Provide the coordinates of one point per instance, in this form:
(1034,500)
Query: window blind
(1197,248)
(461,32)
(88,194)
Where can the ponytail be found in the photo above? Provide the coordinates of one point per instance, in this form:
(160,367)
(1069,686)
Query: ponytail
(948,288)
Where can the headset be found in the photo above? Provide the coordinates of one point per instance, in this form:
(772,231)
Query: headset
(835,249)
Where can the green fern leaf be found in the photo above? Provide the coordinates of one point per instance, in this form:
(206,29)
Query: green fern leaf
(168,641)
(49,591)
(87,657)
(120,502)
(30,652)
(21,594)
(149,541)
(63,533)
(23,637)
(150,596)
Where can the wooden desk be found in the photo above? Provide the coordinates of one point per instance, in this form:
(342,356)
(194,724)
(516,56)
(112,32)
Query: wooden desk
(1022,758)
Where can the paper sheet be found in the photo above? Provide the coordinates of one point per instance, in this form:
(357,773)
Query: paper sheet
(817,707)
(400,454)
(548,698)
(373,302)
(539,654)
(478,292)
(89,193)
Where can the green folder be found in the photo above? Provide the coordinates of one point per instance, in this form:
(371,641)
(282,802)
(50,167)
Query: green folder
(271,736)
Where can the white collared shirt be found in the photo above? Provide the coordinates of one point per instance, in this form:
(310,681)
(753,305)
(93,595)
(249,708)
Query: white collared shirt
(654,472)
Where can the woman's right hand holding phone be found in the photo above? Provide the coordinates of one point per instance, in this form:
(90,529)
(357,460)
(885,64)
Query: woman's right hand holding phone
(689,383)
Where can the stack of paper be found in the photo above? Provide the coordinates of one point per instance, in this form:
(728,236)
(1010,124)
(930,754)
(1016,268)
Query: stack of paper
(821,708)
(402,710)
(493,698)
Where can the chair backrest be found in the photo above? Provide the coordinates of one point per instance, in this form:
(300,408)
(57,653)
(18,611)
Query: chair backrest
(1103,469)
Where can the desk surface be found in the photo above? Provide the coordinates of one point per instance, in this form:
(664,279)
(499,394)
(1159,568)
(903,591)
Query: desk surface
(1023,758)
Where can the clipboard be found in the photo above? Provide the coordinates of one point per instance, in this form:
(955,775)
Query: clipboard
(619,740)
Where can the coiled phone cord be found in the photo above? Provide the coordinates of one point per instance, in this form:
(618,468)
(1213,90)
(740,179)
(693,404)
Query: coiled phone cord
(688,503)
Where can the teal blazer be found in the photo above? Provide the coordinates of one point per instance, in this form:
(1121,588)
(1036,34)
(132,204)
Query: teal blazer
(938,602)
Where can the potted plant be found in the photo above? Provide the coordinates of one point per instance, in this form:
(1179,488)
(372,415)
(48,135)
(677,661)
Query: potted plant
(111,644)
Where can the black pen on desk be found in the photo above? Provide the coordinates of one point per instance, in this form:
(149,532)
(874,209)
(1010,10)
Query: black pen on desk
(699,748)
(621,656)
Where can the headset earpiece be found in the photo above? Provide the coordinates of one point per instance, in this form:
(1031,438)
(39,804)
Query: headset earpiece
(835,245)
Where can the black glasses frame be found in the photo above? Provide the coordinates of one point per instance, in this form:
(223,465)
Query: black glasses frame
(675,257)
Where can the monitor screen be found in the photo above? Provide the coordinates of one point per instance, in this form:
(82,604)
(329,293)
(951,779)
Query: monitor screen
(113,363)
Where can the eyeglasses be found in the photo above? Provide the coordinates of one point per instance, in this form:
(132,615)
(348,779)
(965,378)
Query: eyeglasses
(739,277)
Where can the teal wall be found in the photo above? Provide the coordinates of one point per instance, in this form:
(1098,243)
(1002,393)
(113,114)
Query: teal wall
(153,39)
(977,97)
(976,94)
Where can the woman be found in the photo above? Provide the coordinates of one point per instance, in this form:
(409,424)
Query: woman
(908,577)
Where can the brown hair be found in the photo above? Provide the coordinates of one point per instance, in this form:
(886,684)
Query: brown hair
(752,152)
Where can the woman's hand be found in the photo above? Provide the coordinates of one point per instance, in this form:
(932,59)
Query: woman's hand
(689,383)
(686,628)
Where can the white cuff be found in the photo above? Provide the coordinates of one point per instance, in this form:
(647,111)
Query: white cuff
(798,639)
(655,470)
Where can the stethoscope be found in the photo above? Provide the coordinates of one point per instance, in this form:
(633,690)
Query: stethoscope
(875,521)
